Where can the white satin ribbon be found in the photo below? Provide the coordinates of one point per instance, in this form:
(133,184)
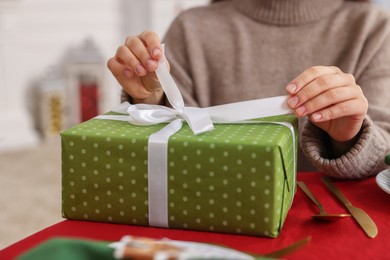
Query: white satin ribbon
(200,120)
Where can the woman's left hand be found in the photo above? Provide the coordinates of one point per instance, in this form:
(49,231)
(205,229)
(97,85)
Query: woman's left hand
(331,99)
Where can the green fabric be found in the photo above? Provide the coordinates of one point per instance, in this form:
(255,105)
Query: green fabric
(236,179)
(76,249)
(69,249)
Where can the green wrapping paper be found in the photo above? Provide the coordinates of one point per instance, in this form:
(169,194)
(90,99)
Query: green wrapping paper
(238,178)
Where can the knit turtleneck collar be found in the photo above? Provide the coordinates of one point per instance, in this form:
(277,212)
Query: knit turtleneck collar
(287,12)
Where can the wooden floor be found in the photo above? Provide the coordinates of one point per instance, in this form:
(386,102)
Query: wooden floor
(30,190)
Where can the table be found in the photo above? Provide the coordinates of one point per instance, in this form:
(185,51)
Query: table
(342,239)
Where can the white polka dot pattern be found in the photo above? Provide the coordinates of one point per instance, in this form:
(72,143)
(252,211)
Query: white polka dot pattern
(232,179)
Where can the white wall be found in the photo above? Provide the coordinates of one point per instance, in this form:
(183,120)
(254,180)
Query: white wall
(35,35)
(384,3)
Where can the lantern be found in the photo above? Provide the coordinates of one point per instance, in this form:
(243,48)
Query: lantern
(84,70)
(51,104)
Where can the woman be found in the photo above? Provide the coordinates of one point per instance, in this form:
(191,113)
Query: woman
(331,57)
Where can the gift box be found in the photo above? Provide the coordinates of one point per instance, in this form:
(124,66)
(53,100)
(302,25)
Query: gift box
(238,178)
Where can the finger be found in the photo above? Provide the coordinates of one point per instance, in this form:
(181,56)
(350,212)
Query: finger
(309,75)
(118,69)
(134,86)
(320,85)
(352,107)
(152,42)
(326,99)
(125,56)
(141,53)
(121,72)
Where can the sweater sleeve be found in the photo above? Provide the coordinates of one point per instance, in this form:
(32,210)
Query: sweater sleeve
(366,157)
(125,97)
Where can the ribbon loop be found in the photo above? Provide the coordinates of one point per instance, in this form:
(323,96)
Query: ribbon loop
(151,115)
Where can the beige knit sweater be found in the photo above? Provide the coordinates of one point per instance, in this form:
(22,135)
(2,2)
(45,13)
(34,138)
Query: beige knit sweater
(247,49)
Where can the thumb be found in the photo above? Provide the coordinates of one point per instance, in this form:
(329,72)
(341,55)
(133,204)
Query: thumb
(151,82)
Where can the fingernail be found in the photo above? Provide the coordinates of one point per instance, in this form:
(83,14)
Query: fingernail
(291,88)
(151,64)
(316,117)
(293,101)
(156,53)
(140,70)
(300,110)
(128,73)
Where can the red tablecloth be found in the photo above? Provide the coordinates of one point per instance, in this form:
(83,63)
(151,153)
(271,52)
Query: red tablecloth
(342,239)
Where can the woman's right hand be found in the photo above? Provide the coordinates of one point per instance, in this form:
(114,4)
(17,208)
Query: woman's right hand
(134,66)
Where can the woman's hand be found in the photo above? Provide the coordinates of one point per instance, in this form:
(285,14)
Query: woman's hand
(332,100)
(134,64)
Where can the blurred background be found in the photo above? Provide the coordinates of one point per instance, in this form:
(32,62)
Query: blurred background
(53,75)
(53,58)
